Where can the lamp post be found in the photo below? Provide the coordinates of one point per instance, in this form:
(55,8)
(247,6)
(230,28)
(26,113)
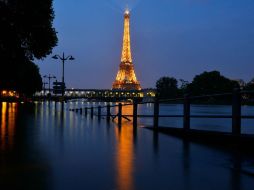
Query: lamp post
(63,59)
(49,77)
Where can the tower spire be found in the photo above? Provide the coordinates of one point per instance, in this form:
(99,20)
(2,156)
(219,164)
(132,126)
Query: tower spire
(126,77)
(126,50)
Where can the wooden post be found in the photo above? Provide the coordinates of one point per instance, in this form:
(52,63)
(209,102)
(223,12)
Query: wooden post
(99,112)
(120,114)
(135,113)
(91,112)
(156,113)
(236,112)
(108,113)
(186,112)
(85,111)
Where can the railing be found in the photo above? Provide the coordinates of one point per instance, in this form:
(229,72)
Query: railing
(236,115)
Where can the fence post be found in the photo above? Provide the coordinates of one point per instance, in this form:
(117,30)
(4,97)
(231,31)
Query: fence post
(120,114)
(156,113)
(135,113)
(186,110)
(91,112)
(85,111)
(108,113)
(99,112)
(236,112)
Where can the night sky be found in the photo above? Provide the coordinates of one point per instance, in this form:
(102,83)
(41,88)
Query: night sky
(178,38)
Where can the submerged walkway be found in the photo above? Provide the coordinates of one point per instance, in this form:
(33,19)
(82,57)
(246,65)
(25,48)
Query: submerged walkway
(44,148)
(243,144)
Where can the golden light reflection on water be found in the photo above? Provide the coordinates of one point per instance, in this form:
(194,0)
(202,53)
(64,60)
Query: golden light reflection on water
(3,123)
(125,153)
(8,122)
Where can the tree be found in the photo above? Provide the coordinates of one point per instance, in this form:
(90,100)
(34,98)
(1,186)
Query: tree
(249,87)
(167,87)
(28,26)
(211,83)
(183,87)
(26,85)
(26,34)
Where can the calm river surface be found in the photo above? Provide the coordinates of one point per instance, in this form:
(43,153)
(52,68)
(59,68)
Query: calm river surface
(43,147)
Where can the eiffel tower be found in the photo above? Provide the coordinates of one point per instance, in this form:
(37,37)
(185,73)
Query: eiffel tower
(126,78)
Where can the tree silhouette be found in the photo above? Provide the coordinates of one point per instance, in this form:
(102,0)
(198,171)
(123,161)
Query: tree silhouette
(26,34)
(250,87)
(167,87)
(211,83)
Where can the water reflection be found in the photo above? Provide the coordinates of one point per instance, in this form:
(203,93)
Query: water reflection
(186,163)
(56,149)
(8,119)
(19,167)
(125,153)
(236,171)
(52,115)
(156,142)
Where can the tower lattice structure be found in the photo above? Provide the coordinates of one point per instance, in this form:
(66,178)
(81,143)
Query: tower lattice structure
(126,78)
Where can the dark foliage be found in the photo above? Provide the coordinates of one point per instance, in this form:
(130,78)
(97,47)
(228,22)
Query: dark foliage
(167,87)
(207,83)
(211,83)
(183,88)
(26,34)
(249,87)
(29,79)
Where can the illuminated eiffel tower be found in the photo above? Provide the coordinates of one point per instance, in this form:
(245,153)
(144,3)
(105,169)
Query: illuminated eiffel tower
(126,78)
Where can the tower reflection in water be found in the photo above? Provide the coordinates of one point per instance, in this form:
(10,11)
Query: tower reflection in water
(125,153)
(8,118)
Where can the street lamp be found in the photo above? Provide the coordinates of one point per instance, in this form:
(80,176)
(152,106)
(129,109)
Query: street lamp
(49,77)
(63,59)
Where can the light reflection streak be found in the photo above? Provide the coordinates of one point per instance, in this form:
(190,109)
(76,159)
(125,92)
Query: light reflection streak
(8,124)
(3,123)
(11,122)
(125,153)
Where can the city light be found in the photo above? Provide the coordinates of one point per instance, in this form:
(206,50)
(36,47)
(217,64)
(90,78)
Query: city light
(9,94)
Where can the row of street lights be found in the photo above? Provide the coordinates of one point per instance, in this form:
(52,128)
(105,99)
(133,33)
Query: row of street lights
(63,58)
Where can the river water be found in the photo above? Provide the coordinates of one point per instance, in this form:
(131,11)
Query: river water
(43,146)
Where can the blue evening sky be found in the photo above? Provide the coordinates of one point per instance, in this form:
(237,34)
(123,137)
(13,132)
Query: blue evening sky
(178,38)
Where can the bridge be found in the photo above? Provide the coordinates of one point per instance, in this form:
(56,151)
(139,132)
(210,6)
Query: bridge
(104,94)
